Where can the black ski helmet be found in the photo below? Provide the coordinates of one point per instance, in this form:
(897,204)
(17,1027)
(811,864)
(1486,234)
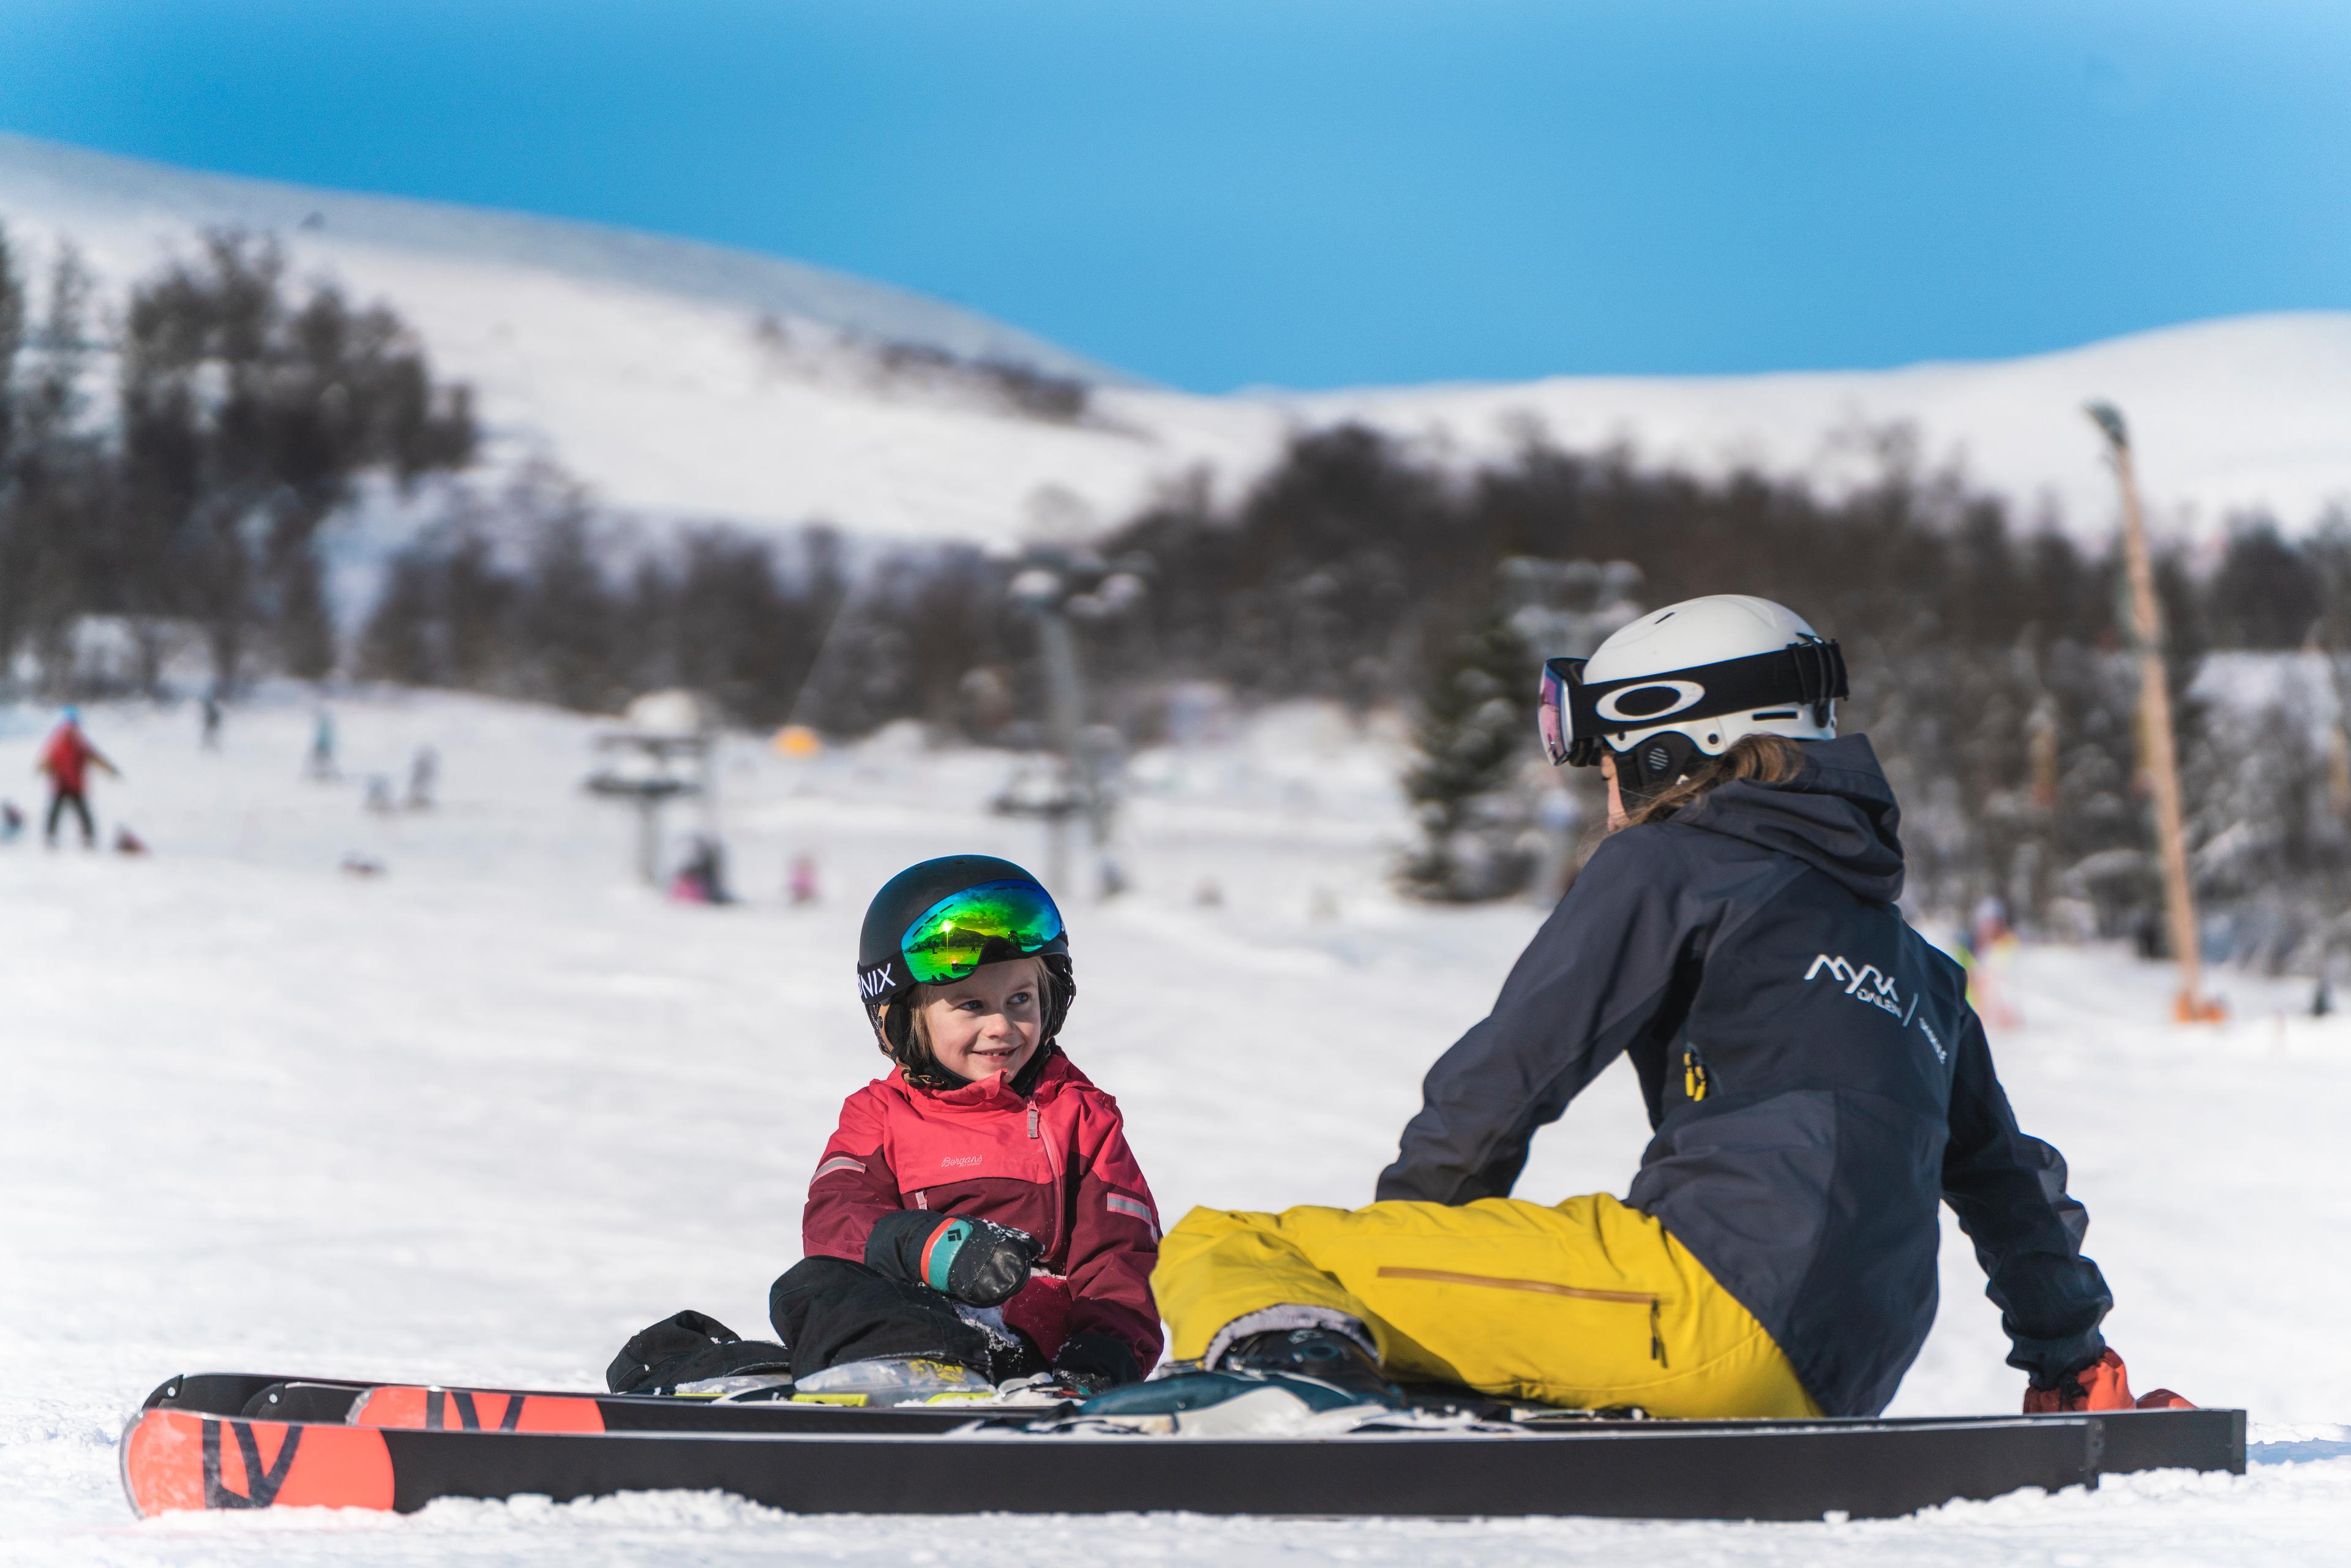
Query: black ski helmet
(886,979)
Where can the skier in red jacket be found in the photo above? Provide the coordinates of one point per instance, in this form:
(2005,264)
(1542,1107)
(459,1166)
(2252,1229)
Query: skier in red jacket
(66,759)
(977,1216)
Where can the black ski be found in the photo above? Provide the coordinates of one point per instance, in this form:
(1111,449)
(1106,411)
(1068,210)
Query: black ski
(188,1450)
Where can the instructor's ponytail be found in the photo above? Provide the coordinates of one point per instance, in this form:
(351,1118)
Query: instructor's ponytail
(1765,759)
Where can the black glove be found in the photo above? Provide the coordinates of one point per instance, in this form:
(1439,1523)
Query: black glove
(974,1260)
(1096,1363)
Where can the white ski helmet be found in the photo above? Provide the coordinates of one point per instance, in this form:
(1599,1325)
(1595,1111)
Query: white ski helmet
(1688,681)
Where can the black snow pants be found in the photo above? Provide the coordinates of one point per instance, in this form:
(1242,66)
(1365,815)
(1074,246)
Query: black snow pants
(830,1311)
(57,804)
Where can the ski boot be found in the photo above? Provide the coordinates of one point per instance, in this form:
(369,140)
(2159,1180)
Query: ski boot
(1323,1355)
(1231,1404)
(1298,1382)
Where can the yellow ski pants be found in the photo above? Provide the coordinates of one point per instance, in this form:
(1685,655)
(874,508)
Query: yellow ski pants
(1588,1304)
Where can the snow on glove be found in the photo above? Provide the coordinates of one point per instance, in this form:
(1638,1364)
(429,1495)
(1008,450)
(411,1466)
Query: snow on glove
(977,1261)
(1096,1363)
(2103,1384)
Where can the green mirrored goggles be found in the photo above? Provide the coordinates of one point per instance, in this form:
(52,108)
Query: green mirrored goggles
(982,925)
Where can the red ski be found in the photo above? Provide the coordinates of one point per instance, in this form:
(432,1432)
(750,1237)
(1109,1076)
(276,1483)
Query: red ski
(175,1460)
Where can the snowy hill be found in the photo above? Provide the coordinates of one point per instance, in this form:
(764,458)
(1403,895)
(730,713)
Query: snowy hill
(133,212)
(2225,417)
(687,380)
(483,1115)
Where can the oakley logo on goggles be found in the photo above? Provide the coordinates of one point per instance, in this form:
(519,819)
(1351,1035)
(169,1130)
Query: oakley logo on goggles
(1576,713)
(983,924)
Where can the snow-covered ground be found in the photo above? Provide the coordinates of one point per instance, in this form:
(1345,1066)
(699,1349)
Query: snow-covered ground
(636,361)
(481,1117)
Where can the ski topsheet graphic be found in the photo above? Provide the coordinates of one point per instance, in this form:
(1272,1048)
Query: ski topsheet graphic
(178,1460)
(180,1454)
(438,1409)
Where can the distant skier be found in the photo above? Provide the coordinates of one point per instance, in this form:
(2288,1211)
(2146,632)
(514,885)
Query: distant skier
(211,735)
(977,1216)
(66,758)
(319,766)
(703,878)
(1816,1078)
(800,880)
(423,778)
(1988,954)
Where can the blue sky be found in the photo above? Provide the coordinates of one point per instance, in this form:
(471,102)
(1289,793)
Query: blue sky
(1315,192)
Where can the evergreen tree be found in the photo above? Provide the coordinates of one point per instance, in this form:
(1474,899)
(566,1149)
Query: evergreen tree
(1471,738)
(2265,593)
(398,642)
(567,616)
(61,558)
(16,546)
(248,417)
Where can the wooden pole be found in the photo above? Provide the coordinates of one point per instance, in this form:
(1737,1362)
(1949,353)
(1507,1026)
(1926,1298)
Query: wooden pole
(2162,755)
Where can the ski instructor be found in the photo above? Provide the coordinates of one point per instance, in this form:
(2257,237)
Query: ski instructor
(1814,1076)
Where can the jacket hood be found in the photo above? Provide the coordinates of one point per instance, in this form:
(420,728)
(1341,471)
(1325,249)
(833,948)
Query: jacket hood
(1837,815)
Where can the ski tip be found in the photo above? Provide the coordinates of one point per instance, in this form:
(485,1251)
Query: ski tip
(179,1460)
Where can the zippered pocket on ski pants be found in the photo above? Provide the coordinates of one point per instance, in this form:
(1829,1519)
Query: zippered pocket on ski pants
(1584,1303)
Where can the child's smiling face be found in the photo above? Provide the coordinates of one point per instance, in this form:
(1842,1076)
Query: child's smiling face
(988,1022)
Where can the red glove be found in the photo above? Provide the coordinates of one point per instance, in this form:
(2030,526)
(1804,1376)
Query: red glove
(2103,1384)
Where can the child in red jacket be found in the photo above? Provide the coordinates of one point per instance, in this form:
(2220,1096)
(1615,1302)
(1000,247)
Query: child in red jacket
(977,1218)
(68,759)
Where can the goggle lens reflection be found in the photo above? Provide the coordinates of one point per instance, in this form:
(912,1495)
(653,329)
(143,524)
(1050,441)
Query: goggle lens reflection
(952,937)
(1547,717)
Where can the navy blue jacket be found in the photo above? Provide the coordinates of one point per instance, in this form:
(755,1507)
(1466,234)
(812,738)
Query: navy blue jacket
(1814,1075)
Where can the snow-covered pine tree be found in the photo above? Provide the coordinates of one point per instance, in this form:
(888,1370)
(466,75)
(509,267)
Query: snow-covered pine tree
(1474,730)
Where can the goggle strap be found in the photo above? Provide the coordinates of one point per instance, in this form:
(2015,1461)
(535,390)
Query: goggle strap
(1809,673)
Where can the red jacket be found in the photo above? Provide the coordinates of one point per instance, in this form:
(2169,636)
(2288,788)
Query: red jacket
(1054,1163)
(66,758)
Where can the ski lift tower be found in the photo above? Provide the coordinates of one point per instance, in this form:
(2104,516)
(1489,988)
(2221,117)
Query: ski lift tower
(1055,590)
(666,749)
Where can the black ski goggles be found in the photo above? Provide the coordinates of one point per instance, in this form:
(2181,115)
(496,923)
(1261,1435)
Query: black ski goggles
(1576,713)
(984,924)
